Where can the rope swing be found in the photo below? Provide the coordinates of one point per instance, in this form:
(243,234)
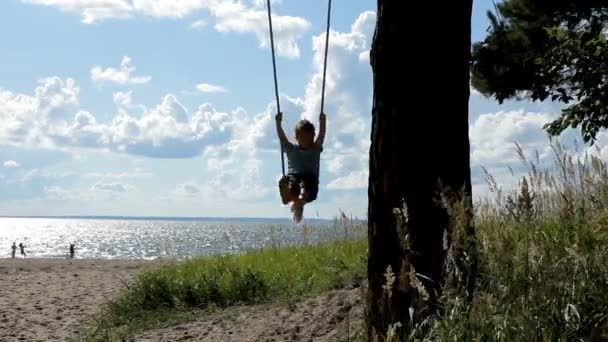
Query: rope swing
(325,59)
(274,66)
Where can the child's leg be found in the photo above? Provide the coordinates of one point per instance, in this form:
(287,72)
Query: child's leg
(309,189)
(284,190)
(289,189)
(297,208)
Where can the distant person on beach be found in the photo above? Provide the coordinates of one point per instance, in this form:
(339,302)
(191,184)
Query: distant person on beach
(72,250)
(22,248)
(14,250)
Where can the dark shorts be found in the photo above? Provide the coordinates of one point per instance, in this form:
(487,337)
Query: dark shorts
(294,182)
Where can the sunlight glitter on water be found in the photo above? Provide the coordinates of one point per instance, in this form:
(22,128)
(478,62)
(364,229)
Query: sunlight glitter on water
(145,239)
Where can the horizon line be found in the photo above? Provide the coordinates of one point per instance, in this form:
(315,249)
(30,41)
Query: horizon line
(163,218)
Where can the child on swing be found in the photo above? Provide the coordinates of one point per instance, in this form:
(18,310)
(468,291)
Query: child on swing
(301,184)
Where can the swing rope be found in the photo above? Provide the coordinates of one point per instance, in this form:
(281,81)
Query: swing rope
(274,67)
(325,66)
(325,58)
(276,82)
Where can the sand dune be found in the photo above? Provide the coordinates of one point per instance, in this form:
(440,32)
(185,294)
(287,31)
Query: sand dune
(331,317)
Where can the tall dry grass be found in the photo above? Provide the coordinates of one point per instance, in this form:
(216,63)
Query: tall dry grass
(543,257)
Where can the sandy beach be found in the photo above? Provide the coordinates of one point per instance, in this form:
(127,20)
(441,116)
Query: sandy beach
(47,299)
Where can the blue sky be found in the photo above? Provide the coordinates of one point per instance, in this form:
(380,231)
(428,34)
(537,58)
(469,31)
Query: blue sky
(164,108)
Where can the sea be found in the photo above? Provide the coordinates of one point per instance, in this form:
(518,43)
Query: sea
(152,238)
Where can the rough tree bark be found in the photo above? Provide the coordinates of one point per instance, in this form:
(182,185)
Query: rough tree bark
(419,137)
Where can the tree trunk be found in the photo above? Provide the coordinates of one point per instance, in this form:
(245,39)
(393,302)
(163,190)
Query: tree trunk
(419,139)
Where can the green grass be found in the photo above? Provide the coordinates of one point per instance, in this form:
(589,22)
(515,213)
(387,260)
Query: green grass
(171,293)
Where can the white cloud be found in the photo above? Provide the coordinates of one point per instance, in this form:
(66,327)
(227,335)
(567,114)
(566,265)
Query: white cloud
(238,18)
(198,25)
(474,92)
(238,171)
(262,3)
(493,135)
(112,187)
(52,119)
(120,76)
(25,120)
(166,130)
(110,192)
(210,88)
(137,173)
(348,81)
(91,10)
(364,57)
(11,164)
(234,16)
(58,193)
(170,8)
(352,181)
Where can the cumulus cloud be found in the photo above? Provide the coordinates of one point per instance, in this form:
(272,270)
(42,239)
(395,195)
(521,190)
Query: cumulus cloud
(170,8)
(353,180)
(26,119)
(210,88)
(51,119)
(229,16)
(11,164)
(493,135)
(237,17)
(348,81)
(122,75)
(91,10)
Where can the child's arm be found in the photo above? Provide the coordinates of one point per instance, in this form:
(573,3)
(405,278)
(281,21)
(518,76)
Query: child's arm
(282,137)
(322,126)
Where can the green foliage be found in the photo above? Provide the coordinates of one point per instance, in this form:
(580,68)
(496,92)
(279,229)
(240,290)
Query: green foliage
(549,49)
